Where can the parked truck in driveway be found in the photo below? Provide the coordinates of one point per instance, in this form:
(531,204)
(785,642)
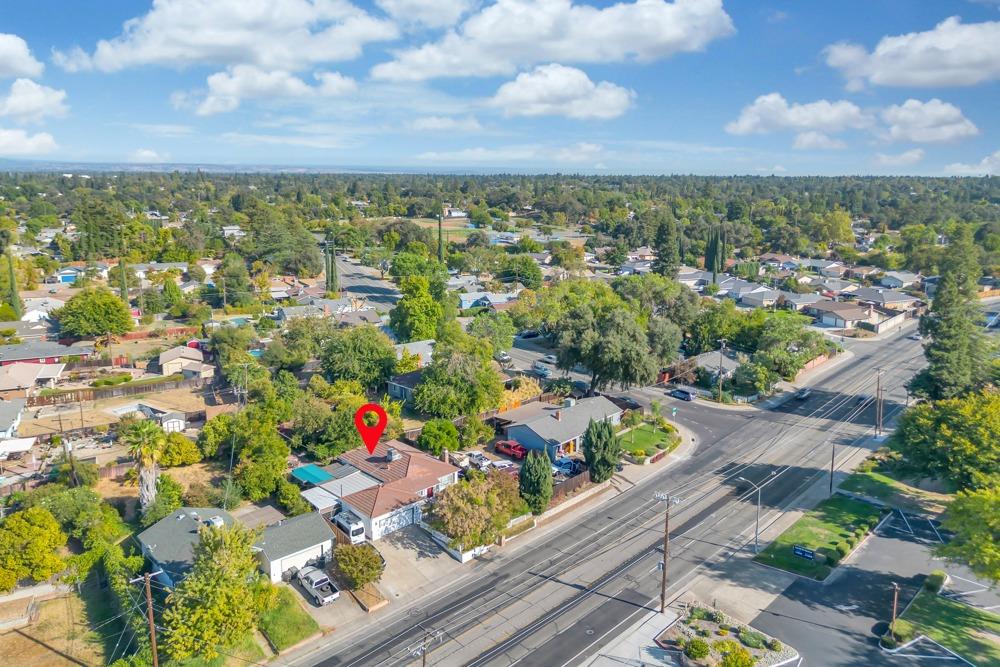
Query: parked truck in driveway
(318,586)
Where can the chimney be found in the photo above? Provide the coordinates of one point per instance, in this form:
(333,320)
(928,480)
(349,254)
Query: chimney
(557,415)
(444,455)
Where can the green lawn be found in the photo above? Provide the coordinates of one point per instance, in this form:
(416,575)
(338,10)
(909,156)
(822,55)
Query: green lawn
(837,521)
(882,486)
(645,437)
(246,651)
(972,633)
(287,623)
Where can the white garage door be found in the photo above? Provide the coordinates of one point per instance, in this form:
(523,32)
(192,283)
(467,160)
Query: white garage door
(397,520)
(300,559)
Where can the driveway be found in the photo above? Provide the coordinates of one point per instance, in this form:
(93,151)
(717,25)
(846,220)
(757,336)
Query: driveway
(414,561)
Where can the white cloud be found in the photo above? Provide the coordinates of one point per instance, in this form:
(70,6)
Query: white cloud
(164,129)
(503,155)
(19,142)
(16,58)
(300,140)
(989,165)
(927,122)
(772,113)
(431,13)
(813,140)
(271,34)
(29,101)
(903,159)
(446,124)
(146,156)
(520,33)
(227,89)
(950,54)
(777,16)
(557,90)
(776,169)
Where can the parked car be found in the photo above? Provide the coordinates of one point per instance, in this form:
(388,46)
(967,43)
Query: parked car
(541,370)
(479,460)
(915,336)
(503,465)
(565,465)
(550,359)
(683,394)
(530,333)
(318,586)
(803,394)
(625,402)
(503,357)
(351,525)
(511,448)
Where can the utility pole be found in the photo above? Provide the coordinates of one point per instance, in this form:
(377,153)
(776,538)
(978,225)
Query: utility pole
(722,351)
(241,397)
(878,401)
(423,647)
(669,500)
(833,455)
(149,612)
(895,606)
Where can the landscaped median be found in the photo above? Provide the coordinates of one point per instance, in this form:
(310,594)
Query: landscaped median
(706,636)
(646,440)
(822,537)
(967,631)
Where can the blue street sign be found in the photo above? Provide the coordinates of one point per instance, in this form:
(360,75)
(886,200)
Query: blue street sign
(802,552)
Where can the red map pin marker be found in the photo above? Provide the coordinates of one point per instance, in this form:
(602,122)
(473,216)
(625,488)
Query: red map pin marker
(370,434)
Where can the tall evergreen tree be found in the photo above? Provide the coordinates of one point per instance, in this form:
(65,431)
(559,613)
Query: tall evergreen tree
(331,270)
(716,252)
(13,296)
(668,252)
(601,450)
(535,481)
(440,240)
(958,354)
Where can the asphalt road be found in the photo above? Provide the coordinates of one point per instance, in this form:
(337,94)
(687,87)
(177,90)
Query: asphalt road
(365,282)
(558,596)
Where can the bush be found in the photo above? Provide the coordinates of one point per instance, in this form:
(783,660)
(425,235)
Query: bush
(438,435)
(703,632)
(179,451)
(774,645)
(902,631)
(724,646)
(935,580)
(739,657)
(359,563)
(753,639)
(718,617)
(842,548)
(722,632)
(661,445)
(699,614)
(681,641)
(290,498)
(697,649)
(198,495)
(651,451)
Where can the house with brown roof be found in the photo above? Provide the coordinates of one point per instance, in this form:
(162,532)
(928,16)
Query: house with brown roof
(840,314)
(407,478)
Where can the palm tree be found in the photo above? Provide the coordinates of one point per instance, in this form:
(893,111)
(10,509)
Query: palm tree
(145,441)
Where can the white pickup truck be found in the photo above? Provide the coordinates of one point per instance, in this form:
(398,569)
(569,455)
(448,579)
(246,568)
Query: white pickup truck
(318,585)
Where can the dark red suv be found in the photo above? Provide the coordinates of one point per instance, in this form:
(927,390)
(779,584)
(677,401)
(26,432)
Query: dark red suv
(511,448)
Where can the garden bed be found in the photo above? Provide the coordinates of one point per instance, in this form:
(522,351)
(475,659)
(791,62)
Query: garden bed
(647,440)
(830,531)
(704,636)
(370,598)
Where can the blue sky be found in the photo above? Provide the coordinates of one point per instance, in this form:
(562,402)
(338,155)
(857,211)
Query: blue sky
(639,86)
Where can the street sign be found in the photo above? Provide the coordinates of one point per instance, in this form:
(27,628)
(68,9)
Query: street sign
(802,552)
(673,412)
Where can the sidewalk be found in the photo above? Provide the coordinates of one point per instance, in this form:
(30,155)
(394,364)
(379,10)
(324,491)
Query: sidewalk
(635,647)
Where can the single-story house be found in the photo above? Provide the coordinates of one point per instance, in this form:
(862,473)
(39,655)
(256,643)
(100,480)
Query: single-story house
(833,270)
(779,261)
(289,313)
(899,279)
(423,349)
(839,314)
(407,478)
(10,416)
(886,298)
(796,301)
(44,352)
(341,479)
(360,318)
(863,272)
(641,254)
(558,429)
(834,286)
(233,232)
(169,543)
(29,331)
(142,271)
(67,275)
(19,380)
(401,387)
(635,267)
(717,360)
(176,359)
(475,299)
(763,298)
(294,542)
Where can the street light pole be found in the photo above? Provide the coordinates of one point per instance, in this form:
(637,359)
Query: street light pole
(757,487)
(669,500)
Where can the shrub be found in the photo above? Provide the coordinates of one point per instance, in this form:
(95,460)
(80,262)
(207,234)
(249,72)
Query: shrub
(722,632)
(179,450)
(704,632)
(718,617)
(697,649)
(681,641)
(651,451)
(739,657)
(902,631)
(661,445)
(724,646)
(753,639)
(774,645)
(359,563)
(699,614)
(843,548)
(935,580)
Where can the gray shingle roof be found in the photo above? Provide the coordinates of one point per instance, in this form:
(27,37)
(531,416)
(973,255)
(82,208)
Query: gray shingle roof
(10,411)
(37,349)
(171,540)
(572,420)
(294,535)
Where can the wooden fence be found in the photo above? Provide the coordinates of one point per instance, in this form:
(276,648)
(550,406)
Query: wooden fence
(99,393)
(115,470)
(563,489)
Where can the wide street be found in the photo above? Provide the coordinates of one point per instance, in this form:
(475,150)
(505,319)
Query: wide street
(554,597)
(365,282)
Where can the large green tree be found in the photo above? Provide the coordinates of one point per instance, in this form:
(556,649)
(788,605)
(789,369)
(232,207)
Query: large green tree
(361,353)
(973,518)
(437,436)
(613,346)
(462,379)
(667,245)
(957,353)
(145,440)
(30,542)
(535,481)
(494,327)
(94,312)
(417,314)
(359,563)
(221,599)
(601,450)
(957,439)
